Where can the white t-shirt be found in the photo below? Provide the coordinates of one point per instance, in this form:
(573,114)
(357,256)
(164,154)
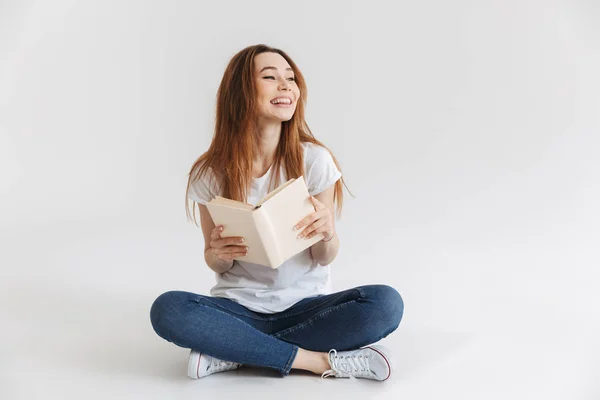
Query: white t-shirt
(261,288)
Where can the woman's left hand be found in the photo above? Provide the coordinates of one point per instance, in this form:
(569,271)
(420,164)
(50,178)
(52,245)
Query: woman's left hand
(321,221)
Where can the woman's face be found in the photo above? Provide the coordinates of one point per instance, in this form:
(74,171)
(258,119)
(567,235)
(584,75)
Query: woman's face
(275,80)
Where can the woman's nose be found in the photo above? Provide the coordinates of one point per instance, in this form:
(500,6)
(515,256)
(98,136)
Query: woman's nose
(285,84)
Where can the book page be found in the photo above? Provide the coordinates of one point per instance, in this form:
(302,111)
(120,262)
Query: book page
(286,209)
(232,203)
(274,192)
(237,222)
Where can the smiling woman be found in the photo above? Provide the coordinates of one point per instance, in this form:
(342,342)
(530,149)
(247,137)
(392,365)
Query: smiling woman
(277,85)
(285,318)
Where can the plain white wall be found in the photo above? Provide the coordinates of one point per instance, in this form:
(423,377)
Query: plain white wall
(468,132)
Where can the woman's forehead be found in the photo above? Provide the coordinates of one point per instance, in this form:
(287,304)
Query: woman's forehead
(271,61)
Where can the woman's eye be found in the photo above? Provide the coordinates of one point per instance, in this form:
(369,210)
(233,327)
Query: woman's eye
(293,79)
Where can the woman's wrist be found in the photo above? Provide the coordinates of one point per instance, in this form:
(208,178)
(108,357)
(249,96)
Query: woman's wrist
(216,264)
(328,240)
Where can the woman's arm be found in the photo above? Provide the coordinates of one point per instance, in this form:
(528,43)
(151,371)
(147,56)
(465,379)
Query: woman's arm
(213,262)
(325,252)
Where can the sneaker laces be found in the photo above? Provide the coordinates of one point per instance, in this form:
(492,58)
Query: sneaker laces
(217,365)
(348,365)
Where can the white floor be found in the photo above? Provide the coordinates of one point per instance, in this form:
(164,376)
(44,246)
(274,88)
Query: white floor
(75,324)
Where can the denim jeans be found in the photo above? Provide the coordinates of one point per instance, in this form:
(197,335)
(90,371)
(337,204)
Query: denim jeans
(224,329)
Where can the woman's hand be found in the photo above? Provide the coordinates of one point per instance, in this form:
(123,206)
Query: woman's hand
(321,221)
(226,249)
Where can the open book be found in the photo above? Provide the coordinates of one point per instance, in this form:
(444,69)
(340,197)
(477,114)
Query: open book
(267,227)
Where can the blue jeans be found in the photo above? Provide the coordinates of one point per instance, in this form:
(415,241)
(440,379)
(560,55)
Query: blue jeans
(224,329)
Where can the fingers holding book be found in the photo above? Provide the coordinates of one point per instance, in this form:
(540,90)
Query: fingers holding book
(321,221)
(227,248)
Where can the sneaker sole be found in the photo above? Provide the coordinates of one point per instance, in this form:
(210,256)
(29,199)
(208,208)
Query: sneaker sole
(194,364)
(382,350)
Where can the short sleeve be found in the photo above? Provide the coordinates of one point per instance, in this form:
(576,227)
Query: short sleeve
(321,171)
(204,189)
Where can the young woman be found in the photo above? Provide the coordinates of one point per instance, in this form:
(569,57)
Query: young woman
(284,318)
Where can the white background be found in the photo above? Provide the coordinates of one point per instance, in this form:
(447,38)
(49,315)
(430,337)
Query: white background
(468,132)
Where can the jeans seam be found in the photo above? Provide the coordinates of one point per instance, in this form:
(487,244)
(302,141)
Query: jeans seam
(303,324)
(288,365)
(332,299)
(230,311)
(360,292)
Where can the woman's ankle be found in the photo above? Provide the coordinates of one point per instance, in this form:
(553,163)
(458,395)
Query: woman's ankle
(312,361)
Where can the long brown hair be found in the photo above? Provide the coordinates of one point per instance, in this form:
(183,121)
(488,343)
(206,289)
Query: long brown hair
(234,142)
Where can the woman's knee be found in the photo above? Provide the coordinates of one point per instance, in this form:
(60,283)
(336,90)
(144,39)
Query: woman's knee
(388,303)
(164,311)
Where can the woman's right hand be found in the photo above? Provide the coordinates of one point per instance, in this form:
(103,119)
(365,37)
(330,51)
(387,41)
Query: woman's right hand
(226,249)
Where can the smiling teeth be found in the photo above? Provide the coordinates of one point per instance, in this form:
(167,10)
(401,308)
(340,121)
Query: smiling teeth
(284,101)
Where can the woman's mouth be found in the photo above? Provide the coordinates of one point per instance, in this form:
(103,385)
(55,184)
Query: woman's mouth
(283,102)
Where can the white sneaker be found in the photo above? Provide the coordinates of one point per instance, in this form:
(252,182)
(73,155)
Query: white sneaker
(201,365)
(371,362)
